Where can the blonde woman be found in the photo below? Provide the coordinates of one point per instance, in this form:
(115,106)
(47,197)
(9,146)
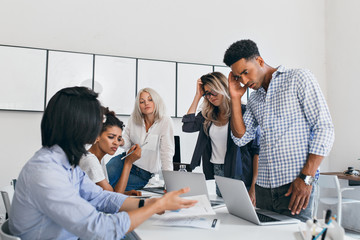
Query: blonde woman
(147,125)
(214,145)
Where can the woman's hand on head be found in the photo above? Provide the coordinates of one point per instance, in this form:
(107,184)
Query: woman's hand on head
(199,88)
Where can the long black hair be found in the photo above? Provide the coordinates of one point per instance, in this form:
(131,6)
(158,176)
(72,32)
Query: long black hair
(72,119)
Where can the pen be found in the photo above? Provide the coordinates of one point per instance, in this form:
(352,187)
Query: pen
(327,218)
(133,150)
(314,228)
(323,231)
(327,222)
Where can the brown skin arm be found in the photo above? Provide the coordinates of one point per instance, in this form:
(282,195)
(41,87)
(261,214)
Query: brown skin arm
(299,191)
(129,160)
(236,92)
(121,185)
(255,174)
(197,97)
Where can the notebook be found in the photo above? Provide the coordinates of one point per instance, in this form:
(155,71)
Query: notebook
(175,180)
(238,203)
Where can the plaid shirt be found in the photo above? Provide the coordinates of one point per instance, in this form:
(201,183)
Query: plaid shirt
(294,120)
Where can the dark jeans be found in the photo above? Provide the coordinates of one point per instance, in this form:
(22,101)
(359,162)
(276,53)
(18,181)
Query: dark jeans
(219,171)
(274,199)
(138,177)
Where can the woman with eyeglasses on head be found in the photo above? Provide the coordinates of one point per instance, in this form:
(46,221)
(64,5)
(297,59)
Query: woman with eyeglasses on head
(214,145)
(108,141)
(149,127)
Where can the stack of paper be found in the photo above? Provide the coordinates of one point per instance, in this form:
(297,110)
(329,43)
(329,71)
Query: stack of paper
(196,216)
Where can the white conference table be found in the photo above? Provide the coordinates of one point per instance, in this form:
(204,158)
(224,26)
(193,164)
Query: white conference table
(231,227)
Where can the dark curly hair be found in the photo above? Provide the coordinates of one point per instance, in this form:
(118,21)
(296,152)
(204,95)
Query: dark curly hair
(110,120)
(246,49)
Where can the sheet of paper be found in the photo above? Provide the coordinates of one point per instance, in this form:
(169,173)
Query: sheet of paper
(202,207)
(196,222)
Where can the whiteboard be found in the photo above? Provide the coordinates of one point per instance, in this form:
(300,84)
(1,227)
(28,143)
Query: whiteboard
(23,73)
(226,70)
(188,74)
(115,81)
(68,70)
(160,76)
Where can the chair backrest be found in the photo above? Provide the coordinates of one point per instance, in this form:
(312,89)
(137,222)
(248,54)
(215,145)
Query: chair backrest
(6,199)
(177,157)
(329,181)
(5,232)
(7,194)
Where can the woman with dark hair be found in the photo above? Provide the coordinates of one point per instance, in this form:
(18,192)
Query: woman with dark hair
(55,199)
(216,149)
(108,142)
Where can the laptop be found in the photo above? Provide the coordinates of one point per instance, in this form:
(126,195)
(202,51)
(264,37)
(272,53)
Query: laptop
(175,180)
(238,203)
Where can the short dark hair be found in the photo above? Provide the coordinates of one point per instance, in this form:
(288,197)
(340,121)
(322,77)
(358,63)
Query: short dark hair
(246,49)
(111,120)
(72,119)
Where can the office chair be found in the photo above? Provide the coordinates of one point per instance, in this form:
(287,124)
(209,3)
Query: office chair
(5,232)
(177,157)
(7,194)
(331,182)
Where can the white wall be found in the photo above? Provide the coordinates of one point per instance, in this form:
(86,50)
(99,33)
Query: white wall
(287,32)
(343,82)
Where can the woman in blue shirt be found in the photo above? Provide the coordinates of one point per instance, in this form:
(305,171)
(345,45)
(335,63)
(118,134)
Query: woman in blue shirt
(55,199)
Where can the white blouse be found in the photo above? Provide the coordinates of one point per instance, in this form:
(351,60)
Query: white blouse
(158,153)
(218,136)
(92,167)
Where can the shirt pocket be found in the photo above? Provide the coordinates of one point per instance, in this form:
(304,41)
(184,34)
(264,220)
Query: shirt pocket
(152,142)
(286,110)
(285,104)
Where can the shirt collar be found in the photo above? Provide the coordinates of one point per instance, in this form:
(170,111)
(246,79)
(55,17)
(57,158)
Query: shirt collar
(280,69)
(60,157)
(274,80)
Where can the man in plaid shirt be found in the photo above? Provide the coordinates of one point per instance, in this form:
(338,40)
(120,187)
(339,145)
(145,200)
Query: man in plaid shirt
(296,128)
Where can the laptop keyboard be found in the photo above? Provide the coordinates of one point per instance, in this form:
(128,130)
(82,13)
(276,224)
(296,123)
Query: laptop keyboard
(159,190)
(264,218)
(216,203)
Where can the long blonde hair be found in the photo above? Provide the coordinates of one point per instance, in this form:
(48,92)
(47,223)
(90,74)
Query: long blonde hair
(219,84)
(159,110)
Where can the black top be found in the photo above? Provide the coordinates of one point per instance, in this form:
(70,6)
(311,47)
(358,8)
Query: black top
(234,154)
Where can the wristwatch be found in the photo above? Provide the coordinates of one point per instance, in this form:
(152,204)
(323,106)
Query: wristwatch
(307,178)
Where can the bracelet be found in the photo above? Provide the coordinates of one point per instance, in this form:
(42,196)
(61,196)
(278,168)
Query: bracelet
(141,203)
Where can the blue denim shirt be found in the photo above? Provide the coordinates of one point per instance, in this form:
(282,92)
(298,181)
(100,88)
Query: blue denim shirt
(54,200)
